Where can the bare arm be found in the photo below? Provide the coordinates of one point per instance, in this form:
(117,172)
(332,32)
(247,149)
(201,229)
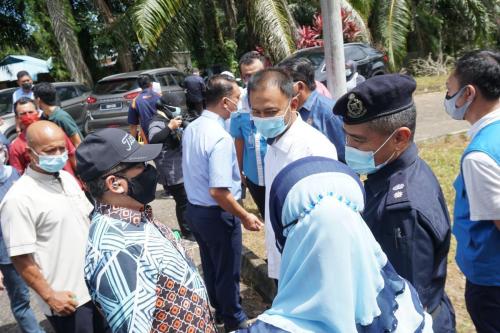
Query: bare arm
(497,223)
(76,140)
(226,200)
(61,302)
(133,130)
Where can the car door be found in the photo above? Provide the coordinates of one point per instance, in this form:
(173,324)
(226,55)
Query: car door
(72,102)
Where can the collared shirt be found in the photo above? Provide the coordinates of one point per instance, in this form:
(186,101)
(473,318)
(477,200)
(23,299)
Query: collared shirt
(407,213)
(209,160)
(255,145)
(300,140)
(62,119)
(48,217)
(317,112)
(140,276)
(19,157)
(5,185)
(142,109)
(21,93)
(482,177)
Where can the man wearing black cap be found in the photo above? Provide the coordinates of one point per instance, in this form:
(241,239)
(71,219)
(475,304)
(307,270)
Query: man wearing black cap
(405,207)
(135,269)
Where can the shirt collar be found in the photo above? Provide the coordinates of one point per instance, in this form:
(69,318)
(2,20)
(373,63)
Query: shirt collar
(310,101)
(407,158)
(285,142)
(41,176)
(214,116)
(483,122)
(124,214)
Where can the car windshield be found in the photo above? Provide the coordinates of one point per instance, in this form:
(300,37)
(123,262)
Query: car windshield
(315,58)
(115,86)
(5,102)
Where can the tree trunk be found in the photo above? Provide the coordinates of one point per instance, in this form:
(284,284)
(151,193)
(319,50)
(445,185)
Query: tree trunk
(68,42)
(214,33)
(124,56)
(230,11)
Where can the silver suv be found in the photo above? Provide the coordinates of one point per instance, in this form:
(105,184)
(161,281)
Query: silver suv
(108,104)
(71,96)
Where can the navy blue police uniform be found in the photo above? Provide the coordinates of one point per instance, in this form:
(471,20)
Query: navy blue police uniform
(405,206)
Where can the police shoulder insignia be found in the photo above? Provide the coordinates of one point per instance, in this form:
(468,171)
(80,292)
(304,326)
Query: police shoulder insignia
(355,107)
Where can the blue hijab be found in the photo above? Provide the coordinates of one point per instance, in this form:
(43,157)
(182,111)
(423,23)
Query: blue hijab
(334,275)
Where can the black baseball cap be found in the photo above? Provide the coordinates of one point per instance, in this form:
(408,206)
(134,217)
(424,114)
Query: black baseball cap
(101,151)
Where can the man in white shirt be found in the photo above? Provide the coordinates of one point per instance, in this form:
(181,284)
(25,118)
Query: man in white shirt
(474,95)
(25,83)
(274,111)
(45,225)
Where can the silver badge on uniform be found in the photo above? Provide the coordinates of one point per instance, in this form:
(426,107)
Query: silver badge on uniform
(355,107)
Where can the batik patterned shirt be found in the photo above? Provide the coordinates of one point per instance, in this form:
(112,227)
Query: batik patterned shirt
(140,276)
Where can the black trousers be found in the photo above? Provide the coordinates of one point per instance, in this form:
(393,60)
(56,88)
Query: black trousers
(180,197)
(86,319)
(483,305)
(218,234)
(259,196)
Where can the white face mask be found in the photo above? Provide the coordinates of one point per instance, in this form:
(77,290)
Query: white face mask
(457,113)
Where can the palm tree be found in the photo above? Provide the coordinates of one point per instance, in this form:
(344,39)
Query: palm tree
(68,42)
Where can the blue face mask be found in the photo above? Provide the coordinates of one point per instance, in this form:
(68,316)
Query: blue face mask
(363,162)
(271,127)
(52,163)
(451,107)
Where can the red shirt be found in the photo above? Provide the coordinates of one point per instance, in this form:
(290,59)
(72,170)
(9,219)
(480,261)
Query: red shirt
(19,157)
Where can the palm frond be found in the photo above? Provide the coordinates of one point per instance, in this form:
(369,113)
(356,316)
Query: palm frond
(152,17)
(393,25)
(363,7)
(359,18)
(271,24)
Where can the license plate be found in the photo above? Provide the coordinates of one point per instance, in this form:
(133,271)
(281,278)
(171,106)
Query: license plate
(111,106)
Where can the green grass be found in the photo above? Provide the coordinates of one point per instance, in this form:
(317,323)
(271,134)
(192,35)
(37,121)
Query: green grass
(443,156)
(426,84)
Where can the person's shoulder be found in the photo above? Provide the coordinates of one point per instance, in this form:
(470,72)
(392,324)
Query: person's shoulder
(325,102)
(60,113)
(21,189)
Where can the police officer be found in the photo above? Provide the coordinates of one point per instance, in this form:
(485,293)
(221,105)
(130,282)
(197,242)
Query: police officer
(213,186)
(405,207)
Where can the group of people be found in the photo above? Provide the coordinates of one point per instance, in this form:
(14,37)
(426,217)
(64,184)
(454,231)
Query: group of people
(346,255)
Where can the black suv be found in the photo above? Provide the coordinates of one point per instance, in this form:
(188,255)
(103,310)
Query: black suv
(370,61)
(108,104)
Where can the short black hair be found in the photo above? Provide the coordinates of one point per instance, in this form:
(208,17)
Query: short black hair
(388,124)
(97,186)
(46,92)
(249,58)
(218,87)
(21,101)
(480,68)
(20,74)
(144,81)
(274,77)
(301,69)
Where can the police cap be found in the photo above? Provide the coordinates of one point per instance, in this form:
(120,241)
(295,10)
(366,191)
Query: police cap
(376,97)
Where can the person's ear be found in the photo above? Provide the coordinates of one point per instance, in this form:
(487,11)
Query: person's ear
(115,184)
(294,103)
(469,92)
(401,138)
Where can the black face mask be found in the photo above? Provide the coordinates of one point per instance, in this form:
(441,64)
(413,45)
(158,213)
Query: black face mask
(143,187)
(27,86)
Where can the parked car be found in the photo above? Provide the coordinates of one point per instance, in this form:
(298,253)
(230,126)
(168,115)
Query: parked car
(71,96)
(370,61)
(108,104)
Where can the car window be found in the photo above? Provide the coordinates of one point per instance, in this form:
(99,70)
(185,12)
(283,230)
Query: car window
(83,89)
(179,78)
(65,93)
(116,86)
(5,103)
(354,53)
(315,58)
(167,80)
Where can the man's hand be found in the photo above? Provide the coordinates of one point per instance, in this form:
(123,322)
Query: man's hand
(175,123)
(63,303)
(252,222)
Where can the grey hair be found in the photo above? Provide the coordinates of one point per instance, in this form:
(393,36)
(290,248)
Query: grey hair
(97,187)
(388,124)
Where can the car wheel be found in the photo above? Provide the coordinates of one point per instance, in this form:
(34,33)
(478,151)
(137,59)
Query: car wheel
(11,136)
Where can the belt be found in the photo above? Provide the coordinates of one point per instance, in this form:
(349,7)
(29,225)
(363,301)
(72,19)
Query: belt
(206,207)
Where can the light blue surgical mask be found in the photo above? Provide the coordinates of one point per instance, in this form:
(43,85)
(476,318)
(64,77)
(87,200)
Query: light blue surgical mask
(271,127)
(52,163)
(363,162)
(457,113)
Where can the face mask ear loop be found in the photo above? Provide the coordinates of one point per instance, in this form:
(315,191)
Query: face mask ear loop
(387,140)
